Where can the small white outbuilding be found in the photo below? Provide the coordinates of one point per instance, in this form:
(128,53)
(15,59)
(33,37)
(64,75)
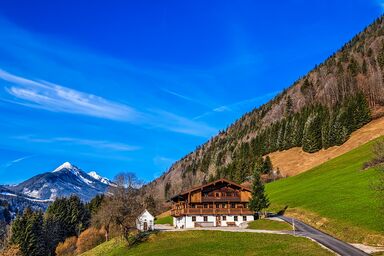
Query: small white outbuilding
(145,221)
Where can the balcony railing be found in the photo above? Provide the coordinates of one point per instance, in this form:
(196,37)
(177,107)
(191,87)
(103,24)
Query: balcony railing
(220,199)
(210,211)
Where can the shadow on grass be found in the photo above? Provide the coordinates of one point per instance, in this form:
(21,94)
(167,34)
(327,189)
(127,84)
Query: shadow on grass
(140,237)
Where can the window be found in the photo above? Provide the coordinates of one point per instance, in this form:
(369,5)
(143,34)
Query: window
(223,206)
(205,205)
(229,194)
(217,205)
(233,205)
(193,218)
(217,194)
(244,218)
(193,206)
(224,218)
(205,218)
(235,218)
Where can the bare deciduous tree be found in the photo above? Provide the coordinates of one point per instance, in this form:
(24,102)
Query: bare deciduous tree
(122,206)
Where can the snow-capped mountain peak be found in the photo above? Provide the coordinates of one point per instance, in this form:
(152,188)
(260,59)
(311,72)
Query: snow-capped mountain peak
(96,176)
(65,180)
(66,165)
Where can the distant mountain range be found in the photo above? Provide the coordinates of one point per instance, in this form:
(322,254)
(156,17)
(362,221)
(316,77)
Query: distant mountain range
(65,180)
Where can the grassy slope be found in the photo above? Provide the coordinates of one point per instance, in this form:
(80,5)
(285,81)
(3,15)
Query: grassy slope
(335,196)
(269,225)
(213,243)
(165,220)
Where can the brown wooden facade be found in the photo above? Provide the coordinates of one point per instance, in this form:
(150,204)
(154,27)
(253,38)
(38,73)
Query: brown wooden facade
(221,197)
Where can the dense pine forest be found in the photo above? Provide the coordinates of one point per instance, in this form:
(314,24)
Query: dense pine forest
(319,110)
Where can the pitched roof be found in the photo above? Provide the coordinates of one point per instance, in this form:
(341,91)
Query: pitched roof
(141,214)
(209,184)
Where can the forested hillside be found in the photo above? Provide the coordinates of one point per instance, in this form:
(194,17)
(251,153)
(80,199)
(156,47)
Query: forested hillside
(318,111)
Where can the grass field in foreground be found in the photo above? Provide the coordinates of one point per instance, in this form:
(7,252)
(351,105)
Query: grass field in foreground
(165,220)
(265,224)
(212,243)
(336,196)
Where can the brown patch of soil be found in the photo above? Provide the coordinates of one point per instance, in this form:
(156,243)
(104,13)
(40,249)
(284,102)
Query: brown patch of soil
(294,161)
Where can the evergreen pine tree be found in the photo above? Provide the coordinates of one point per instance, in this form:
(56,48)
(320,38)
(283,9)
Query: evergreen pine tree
(267,165)
(380,57)
(325,133)
(259,200)
(364,67)
(28,233)
(94,205)
(280,136)
(362,111)
(338,132)
(289,106)
(65,217)
(288,135)
(312,134)
(353,67)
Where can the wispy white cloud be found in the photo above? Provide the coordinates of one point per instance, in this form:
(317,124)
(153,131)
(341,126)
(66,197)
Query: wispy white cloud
(179,124)
(52,97)
(57,98)
(238,106)
(10,163)
(101,144)
(184,97)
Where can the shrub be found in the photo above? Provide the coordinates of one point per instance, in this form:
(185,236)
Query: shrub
(89,239)
(11,251)
(67,248)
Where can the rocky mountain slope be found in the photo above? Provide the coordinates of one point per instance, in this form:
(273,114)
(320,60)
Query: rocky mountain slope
(318,111)
(65,180)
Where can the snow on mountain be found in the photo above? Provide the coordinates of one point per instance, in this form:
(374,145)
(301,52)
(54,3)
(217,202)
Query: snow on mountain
(96,176)
(66,165)
(65,180)
(76,171)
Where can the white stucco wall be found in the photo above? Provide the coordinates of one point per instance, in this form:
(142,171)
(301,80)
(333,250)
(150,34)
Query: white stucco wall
(145,217)
(186,221)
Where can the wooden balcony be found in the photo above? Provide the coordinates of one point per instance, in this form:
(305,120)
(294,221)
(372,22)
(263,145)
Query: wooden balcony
(220,199)
(210,211)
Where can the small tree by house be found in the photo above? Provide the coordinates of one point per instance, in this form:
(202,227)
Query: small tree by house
(259,200)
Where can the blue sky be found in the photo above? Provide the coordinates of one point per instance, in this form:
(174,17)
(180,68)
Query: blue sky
(135,85)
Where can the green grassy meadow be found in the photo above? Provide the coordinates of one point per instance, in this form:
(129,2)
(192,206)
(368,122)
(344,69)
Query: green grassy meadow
(336,196)
(165,220)
(212,243)
(265,224)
